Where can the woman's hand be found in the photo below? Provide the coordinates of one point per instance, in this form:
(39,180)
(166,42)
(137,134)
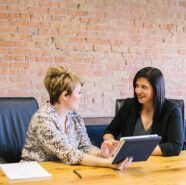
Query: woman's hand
(91,160)
(108,148)
(123,164)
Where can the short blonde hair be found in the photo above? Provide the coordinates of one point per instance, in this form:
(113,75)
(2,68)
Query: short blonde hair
(59,79)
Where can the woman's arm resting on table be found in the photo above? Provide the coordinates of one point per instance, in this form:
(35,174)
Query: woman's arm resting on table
(89,160)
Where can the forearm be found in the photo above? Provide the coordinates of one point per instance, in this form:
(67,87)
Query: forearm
(94,151)
(108,137)
(89,160)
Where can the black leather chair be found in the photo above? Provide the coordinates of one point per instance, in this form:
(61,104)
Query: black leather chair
(15,115)
(95,133)
(120,103)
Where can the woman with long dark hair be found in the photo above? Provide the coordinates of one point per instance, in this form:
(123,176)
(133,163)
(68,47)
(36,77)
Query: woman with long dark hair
(149,112)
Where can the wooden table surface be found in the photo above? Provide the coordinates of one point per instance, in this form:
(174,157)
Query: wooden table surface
(155,171)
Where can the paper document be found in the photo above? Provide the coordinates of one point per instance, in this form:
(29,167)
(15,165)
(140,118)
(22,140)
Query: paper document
(24,171)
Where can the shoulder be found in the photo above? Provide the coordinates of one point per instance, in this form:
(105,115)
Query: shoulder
(45,114)
(125,106)
(46,110)
(171,107)
(129,102)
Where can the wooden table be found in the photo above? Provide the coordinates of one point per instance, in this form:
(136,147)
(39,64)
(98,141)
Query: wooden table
(155,171)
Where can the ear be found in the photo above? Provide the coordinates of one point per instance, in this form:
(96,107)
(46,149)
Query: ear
(64,95)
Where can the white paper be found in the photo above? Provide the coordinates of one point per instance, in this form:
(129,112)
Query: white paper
(24,171)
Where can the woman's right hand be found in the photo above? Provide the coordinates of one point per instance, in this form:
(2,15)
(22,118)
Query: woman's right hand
(123,164)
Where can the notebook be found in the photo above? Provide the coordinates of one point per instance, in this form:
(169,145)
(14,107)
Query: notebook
(139,147)
(24,171)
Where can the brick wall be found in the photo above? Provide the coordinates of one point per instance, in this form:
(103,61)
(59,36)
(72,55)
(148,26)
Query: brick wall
(105,41)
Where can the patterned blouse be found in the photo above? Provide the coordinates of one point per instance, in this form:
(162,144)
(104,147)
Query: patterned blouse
(47,141)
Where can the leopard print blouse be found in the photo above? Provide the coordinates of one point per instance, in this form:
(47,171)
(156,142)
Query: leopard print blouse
(47,141)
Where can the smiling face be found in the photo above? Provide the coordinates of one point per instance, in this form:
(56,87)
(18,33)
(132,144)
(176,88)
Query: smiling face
(144,91)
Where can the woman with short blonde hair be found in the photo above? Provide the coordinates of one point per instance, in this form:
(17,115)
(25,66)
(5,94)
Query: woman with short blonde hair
(57,133)
(59,79)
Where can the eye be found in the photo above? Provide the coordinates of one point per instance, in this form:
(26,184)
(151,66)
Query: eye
(144,87)
(136,86)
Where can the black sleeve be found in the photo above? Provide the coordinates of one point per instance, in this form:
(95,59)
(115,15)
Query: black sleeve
(114,127)
(175,135)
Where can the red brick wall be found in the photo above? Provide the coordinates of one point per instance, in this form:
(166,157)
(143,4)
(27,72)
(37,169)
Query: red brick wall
(106,41)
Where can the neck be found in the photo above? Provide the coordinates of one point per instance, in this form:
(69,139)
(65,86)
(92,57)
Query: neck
(61,111)
(148,107)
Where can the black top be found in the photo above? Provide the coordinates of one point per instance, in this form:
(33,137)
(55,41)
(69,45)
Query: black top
(169,126)
(140,130)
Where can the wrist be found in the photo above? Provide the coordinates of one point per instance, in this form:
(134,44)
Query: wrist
(108,137)
(99,155)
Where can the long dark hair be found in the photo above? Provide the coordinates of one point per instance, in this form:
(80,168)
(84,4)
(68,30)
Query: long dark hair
(156,79)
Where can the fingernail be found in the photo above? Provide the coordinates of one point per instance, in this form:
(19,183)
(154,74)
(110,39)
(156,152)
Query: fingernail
(120,168)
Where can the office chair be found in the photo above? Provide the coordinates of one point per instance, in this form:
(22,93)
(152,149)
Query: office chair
(15,115)
(120,103)
(95,133)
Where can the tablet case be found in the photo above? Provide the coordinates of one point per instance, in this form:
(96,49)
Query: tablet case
(139,147)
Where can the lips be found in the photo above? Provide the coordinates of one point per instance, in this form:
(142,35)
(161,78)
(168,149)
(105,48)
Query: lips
(140,97)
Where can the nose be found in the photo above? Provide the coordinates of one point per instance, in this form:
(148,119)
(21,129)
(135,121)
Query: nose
(138,90)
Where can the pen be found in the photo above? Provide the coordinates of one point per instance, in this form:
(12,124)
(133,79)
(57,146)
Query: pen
(75,171)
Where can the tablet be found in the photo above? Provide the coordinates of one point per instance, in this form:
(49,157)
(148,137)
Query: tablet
(139,147)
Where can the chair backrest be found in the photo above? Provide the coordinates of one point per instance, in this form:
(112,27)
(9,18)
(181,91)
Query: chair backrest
(15,115)
(95,133)
(120,103)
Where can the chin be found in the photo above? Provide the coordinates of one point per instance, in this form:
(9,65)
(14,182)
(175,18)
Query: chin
(141,101)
